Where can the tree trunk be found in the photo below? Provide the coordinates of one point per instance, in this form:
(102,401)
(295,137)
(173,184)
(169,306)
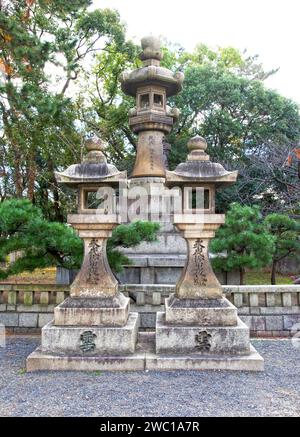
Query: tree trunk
(54,187)
(31,175)
(242,274)
(18,179)
(273,272)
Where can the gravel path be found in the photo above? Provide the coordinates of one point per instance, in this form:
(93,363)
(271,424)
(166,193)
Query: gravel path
(275,392)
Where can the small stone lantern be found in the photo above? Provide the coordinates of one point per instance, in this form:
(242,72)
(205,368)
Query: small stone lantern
(95,181)
(93,328)
(198,319)
(198,223)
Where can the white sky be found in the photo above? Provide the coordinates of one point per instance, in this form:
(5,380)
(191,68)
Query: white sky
(270,28)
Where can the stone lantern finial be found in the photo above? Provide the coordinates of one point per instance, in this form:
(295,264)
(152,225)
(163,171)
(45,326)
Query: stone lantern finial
(197,146)
(95,147)
(151,46)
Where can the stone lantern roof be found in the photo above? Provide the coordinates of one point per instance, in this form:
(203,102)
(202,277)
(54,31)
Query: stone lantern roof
(151,72)
(198,168)
(93,169)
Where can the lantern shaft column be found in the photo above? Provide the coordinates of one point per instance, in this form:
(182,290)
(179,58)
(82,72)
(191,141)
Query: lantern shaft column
(95,278)
(198,280)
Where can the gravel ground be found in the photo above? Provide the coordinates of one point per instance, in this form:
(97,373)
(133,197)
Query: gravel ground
(275,392)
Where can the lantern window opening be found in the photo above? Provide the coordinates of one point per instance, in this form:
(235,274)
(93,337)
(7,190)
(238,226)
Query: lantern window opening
(158,100)
(198,199)
(101,199)
(145,101)
(93,200)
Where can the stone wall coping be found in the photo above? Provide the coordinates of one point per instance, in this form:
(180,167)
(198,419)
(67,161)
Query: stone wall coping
(227,288)
(33,287)
(262,288)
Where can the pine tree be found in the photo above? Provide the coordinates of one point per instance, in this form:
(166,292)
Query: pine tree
(286,232)
(243,241)
(46,244)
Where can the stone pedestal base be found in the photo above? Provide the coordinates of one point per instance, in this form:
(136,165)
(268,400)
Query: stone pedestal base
(40,360)
(252,362)
(91,340)
(144,359)
(207,340)
(203,312)
(77,311)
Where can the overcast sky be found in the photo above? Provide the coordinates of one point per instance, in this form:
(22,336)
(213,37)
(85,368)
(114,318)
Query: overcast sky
(270,28)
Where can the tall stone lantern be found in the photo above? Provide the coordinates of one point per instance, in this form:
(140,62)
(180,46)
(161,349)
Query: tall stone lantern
(93,328)
(151,119)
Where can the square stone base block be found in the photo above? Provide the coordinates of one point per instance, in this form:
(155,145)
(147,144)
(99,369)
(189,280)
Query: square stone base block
(40,360)
(215,340)
(80,311)
(202,312)
(143,359)
(91,340)
(253,362)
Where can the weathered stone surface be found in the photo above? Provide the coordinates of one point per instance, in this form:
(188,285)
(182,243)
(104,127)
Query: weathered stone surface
(60,297)
(255,311)
(44,298)
(147,275)
(140,298)
(252,362)
(39,360)
(44,319)
(104,340)
(274,323)
(270,299)
(95,278)
(144,359)
(9,319)
(198,280)
(253,299)
(28,298)
(147,320)
(258,323)
(11,308)
(280,310)
(287,299)
(92,311)
(28,320)
(238,300)
(247,320)
(290,320)
(172,339)
(156,298)
(35,308)
(12,298)
(202,312)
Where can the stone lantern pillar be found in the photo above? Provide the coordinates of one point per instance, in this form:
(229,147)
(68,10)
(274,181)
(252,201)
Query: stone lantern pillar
(93,328)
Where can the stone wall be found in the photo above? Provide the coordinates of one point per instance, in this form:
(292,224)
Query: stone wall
(26,308)
(269,311)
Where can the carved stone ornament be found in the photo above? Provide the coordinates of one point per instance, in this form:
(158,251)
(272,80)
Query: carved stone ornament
(203,340)
(199,262)
(87,341)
